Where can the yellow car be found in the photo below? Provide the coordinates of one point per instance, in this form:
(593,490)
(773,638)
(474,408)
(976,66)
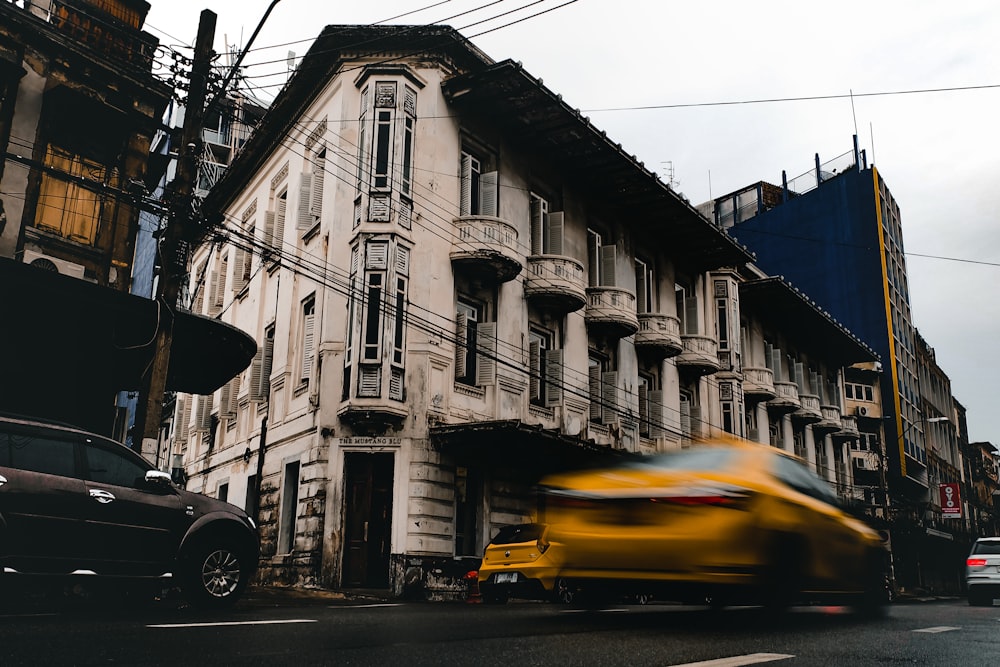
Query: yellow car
(522,562)
(730,523)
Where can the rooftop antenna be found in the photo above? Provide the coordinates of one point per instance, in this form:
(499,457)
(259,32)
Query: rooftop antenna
(669,174)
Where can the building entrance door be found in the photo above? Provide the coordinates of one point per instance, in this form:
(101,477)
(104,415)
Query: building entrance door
(368,519)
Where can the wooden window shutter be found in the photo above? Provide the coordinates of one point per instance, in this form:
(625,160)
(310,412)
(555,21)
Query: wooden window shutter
(213,288)
(269,229)
(203,420)
(486,353)
(555,233)
(370,382)
(610,397)
(199,298)
(643,409)
(655,416)
(266,360)
(465,195)
(308,323)
(396,384)
(461,336)
(696,425)
(534,370)
(402,260)
(240,270)
(800,377)
(378,256)
(553,378)
(225,396)
(279,223)
(594,382)
(776,364)
(686,418)
(537,226)
(488,186)
(640,288)
(318,176)
(181,418)
(305,219)
(691,314)
(256,373)
(609,260)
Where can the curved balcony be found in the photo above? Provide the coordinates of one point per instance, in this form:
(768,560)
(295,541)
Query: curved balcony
(829,420)
(486,247)
(659,335)
(758,383)
(700,354)
(786,397)
(556,283)
(612,311)
(848,428)
(809,411)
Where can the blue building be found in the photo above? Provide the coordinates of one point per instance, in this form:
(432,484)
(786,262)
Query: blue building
(835,233)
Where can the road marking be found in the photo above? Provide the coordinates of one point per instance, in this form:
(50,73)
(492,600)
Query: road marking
(737,660)
(366,606)
(938,628)
(223,623)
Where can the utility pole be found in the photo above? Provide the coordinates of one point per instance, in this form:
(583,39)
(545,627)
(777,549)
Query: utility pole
(176,237)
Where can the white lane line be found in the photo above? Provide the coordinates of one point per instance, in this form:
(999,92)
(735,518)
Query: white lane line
(224,623)
(737,660)
(938,628)
(366,606)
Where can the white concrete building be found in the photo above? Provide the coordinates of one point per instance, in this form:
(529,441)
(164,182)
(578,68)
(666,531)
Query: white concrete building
(458,284)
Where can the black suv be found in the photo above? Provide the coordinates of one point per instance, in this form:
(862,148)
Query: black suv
(75,504)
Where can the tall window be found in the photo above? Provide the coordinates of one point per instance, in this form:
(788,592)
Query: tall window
(545,366)
(409,123)
(479,183)
(687,306)
(601,260)
(645,287)
(607,400)
(650,406)
(66,207)
(307,339)
(475,344)
(546,227)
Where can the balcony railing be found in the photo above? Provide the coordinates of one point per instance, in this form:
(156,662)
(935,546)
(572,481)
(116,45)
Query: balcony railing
(848,428)
(786,396)
(659,335)
(612,310)
(556,282)
(829,419)
(809,409)
(758,383)
(700,354)
(486,246)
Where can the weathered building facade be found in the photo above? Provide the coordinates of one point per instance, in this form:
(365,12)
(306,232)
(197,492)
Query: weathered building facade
(458,284)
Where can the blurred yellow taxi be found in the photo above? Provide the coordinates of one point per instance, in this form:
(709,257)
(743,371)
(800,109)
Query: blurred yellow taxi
(731,522)
(521,562)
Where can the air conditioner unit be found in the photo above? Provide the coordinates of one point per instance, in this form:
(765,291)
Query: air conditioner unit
(861,411)
(41,261)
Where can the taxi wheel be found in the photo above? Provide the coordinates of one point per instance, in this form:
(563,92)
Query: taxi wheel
(563,592)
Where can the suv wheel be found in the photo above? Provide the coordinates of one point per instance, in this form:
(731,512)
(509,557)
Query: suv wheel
(215,575)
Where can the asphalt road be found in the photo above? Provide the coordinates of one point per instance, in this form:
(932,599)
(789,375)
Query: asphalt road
(330,630)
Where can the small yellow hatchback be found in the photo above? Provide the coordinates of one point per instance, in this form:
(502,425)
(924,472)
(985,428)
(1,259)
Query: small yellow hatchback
(522,562)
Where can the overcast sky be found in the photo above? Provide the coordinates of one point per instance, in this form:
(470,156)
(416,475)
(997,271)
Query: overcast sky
(925,78)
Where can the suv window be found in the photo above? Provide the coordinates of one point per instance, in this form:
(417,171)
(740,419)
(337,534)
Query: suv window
(991,547)
(109,467)
(35,452)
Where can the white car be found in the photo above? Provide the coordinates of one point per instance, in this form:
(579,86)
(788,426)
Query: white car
(982,572)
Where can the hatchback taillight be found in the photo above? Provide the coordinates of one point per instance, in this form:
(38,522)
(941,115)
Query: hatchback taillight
(975,562)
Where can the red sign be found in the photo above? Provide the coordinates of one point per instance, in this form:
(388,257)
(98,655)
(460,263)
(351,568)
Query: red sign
(951,502)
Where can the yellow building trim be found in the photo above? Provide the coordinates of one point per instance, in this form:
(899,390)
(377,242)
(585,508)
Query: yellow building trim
(900,446)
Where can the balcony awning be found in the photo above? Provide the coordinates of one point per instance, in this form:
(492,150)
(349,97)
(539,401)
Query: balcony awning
(512,444)
(804,323)
(68,345)
(513,100)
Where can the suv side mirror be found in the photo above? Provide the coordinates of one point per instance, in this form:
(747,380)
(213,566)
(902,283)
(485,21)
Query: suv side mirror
(158,479)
